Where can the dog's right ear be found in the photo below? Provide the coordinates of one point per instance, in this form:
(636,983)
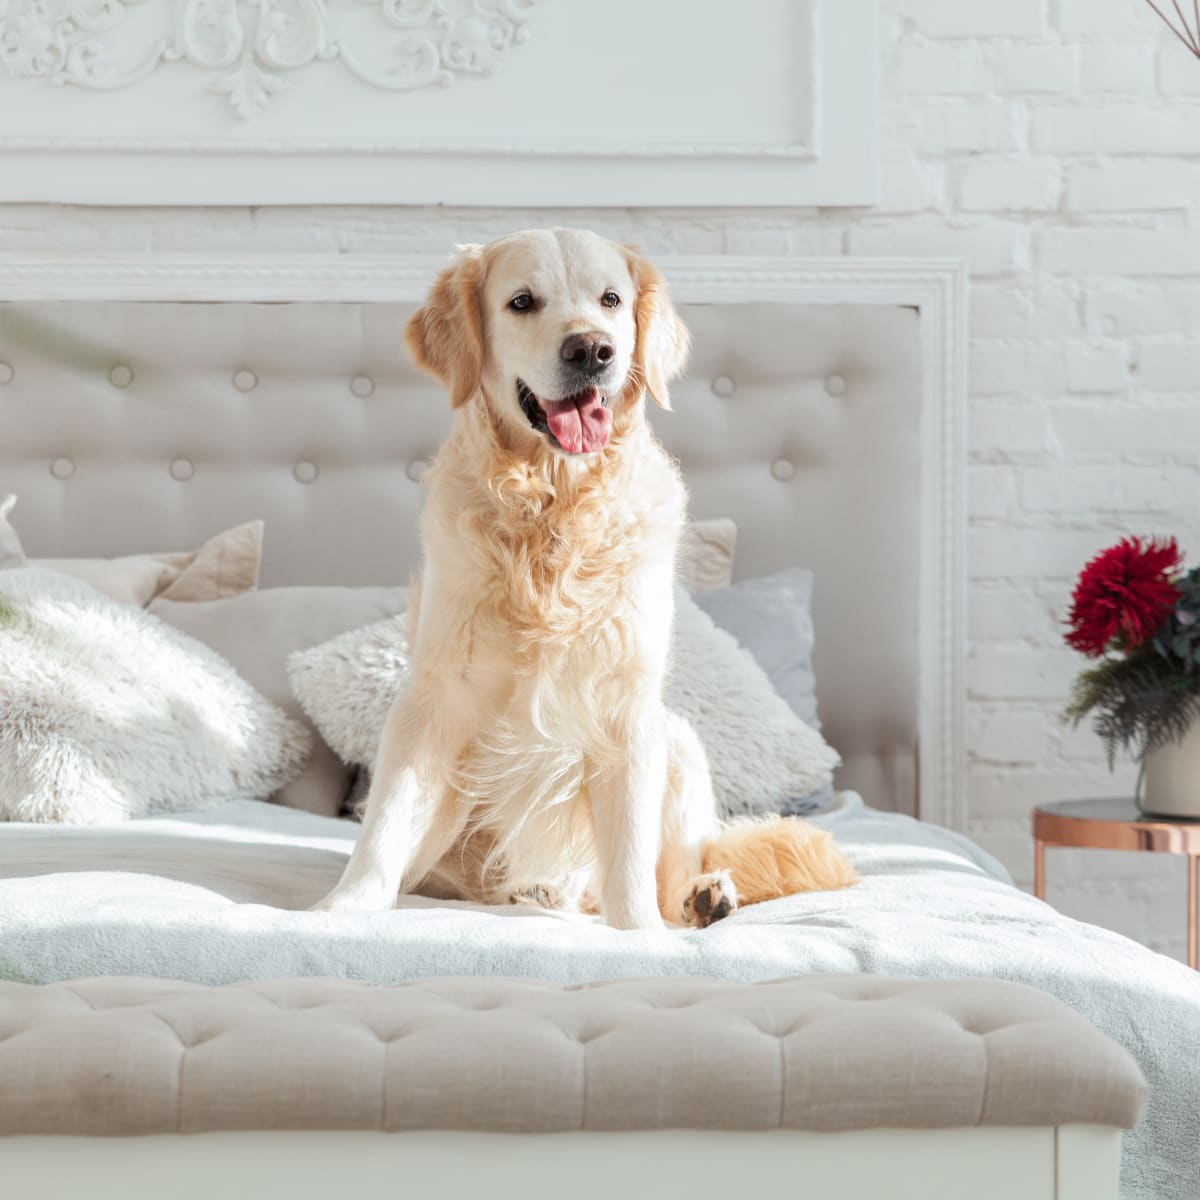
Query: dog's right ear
(445,335)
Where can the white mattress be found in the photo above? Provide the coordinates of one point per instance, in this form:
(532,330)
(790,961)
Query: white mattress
(205,897)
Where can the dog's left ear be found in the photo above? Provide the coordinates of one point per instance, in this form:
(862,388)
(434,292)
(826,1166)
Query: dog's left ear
(662,338)
(445,335)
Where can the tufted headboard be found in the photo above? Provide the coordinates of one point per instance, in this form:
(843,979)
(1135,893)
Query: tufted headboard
(148,423)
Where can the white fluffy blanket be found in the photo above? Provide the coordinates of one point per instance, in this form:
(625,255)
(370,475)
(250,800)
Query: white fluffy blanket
(199,897)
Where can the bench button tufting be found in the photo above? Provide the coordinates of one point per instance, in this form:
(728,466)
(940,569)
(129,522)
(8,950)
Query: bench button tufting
(62,468)
(121,376)
(723,386)
(835,385)
(783,470)
(182,469)
(245,381)
(417,469)
(362,386)
(305,472)
(7,374)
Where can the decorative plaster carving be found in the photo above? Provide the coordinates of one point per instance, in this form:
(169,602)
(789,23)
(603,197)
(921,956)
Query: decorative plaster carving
(252,43)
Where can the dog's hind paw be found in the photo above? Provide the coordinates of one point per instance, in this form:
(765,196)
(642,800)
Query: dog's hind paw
(712,898)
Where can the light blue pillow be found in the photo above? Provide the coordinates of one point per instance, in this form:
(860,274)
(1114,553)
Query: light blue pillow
(771,617)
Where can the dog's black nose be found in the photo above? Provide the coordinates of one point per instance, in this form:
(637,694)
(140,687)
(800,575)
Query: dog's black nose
(588,351)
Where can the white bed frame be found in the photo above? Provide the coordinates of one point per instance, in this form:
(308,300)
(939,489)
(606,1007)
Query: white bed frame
(1073,1162)
(835,429)
(1070,1163)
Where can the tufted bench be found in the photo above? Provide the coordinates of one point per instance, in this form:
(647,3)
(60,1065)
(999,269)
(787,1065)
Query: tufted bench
(121,1056)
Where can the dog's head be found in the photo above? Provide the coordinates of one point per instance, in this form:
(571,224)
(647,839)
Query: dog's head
(560,331)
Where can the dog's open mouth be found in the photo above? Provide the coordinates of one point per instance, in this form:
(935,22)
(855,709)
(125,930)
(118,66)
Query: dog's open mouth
(578,424)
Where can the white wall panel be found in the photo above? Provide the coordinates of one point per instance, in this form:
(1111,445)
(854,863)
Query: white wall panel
(438,101)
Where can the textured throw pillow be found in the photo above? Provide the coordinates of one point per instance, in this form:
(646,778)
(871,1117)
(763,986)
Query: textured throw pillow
(347,685)
(11,552)
(771,616)
(107,714)
(256,632)
(762,756)
(705,558)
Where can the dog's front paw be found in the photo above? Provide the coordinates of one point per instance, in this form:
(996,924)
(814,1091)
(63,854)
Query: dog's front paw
(542,895)
(356,898)
(712,898)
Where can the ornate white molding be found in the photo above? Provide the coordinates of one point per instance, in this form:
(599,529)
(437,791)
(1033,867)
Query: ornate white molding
(263,102)
(255,45)
(937,289)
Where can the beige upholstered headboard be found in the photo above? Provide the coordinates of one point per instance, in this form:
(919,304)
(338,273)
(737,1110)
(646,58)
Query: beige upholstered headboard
(129,424)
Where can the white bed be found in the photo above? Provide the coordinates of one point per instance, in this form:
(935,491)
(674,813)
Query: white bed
(206,898)
(832,432)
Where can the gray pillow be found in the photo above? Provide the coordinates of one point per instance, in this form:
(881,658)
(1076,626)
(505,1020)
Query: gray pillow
(256,632)
(771,616)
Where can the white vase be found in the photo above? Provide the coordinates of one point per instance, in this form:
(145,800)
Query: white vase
(1170,784)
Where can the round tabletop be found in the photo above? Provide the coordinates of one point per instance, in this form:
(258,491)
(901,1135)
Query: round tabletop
(1113,824)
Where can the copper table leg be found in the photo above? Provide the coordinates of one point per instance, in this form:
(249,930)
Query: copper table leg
(1193,896)
(1039,869)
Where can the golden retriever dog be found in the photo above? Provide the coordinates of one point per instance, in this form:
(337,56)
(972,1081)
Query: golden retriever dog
(531,758)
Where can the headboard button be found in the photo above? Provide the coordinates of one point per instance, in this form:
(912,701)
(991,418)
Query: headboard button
(723,386)
(7,374)
(305,472)
(245,381)
(62,468)
(362,386)
(121,376)
(835,385)
(783,470)
(182,469)
(417,469)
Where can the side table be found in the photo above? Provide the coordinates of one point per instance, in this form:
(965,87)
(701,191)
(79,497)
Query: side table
(1114,824)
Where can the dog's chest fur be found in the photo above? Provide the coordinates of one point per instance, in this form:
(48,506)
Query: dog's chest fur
(562,596)
(555,559)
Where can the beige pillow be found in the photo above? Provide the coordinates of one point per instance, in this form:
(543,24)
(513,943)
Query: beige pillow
(225,565)
(11,552)
(706,554)
(256,632)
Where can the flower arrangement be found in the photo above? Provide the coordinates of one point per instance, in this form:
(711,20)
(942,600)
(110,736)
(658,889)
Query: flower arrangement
(1137,611)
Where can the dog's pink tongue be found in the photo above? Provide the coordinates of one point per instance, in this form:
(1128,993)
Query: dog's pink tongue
(580,423)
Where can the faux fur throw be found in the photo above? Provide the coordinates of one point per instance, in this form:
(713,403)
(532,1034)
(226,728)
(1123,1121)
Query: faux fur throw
(106,713)
(761,755)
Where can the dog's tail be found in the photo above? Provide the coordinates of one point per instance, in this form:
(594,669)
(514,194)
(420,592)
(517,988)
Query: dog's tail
(777,856)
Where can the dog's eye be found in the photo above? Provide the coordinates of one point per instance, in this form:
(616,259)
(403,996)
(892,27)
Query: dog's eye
(610,299)
(521,302)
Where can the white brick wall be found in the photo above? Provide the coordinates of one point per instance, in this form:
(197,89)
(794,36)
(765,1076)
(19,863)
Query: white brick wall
(1054,144)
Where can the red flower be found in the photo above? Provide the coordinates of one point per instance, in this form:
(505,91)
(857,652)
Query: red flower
(1124,595)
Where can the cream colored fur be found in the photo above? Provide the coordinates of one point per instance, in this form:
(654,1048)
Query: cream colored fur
(532,755)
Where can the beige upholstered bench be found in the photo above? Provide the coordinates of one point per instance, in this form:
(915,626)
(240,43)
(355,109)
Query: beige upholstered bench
(659,1087)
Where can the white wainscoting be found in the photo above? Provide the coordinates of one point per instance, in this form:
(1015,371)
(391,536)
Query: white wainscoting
(487,102)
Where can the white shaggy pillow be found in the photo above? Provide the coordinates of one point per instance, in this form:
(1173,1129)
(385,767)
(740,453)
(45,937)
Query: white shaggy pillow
(761,755)
(106,713)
